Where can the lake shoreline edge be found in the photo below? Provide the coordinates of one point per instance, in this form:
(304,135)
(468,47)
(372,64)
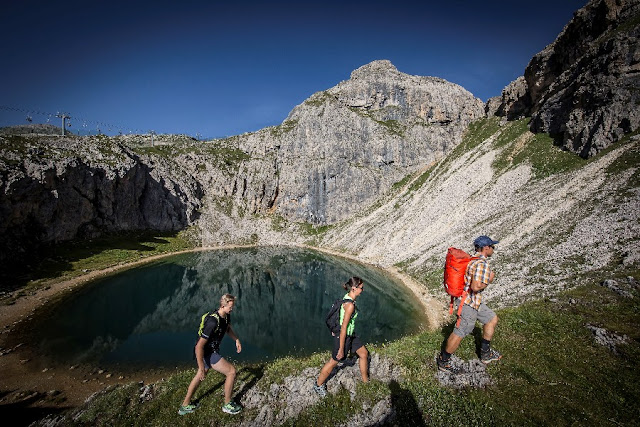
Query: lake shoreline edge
(23,371)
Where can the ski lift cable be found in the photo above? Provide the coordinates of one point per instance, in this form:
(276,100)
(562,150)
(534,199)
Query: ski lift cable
(30,112)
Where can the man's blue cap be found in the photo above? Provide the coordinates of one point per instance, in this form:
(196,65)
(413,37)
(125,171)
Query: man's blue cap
(483,241)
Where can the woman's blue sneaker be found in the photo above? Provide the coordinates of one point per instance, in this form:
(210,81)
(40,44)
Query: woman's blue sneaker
(231,408)
(187,409)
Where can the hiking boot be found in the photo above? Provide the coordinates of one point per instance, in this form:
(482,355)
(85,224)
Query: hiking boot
(321,390)
(489,356)
(446,366)
(187,409)
(231,408)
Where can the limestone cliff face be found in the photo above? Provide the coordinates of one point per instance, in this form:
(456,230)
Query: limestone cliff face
(57,189)
(344,147)
(584,83)
(584,88)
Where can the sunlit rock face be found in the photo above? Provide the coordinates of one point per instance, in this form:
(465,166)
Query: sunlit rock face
(342,148)
(335,154)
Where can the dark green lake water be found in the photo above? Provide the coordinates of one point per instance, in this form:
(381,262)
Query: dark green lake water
(148,316)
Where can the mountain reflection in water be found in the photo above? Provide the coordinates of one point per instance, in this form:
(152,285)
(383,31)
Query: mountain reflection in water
(149,316)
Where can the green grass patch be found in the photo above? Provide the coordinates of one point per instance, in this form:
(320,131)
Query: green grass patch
(314,232)
(572,379)
(400,184)
(319,99)
(511,131)
(278,222)
(550,358)
(276,371)
(630,159)
(393,126)
(419,182)
(538,150)
(624,28)
(433,280)
(476,133)
(309,229)
(285,127)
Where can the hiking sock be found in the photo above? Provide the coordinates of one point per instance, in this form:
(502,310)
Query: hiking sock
(445,356)
(485,345)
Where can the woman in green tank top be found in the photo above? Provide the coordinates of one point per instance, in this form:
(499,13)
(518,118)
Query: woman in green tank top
(347,341)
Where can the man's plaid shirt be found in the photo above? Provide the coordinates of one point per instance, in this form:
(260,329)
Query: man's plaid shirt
(476,269)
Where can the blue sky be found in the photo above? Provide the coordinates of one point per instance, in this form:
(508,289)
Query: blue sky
(212,68)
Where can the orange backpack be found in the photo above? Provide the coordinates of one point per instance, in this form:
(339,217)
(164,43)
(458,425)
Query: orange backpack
(455,267)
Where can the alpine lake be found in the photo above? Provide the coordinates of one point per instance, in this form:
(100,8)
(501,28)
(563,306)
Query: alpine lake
(148,317)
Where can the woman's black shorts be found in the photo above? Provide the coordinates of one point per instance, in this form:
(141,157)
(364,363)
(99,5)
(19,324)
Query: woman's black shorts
(351,344)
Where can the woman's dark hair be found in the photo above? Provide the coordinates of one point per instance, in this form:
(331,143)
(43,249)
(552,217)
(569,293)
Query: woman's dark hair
(354,282)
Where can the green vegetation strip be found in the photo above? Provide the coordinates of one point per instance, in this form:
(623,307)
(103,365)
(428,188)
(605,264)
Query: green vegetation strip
(72,259)
(553,372)
(538,150)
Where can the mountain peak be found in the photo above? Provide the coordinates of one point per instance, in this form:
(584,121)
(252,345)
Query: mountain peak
(381,66)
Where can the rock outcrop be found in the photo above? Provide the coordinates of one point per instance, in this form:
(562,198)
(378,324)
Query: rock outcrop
(54,189)
(286,401)
(514,102)
(584,88)
(343,148)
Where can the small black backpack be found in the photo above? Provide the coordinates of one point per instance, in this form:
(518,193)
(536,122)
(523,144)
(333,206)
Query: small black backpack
(333,316)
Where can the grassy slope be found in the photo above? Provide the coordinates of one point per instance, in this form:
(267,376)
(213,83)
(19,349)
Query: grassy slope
(552,372)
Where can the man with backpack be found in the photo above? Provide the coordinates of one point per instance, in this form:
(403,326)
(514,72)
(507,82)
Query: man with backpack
(213,327)
(478,276)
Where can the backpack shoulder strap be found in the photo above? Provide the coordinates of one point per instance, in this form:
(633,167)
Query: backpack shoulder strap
(213,314)
(217,317)
(202,320)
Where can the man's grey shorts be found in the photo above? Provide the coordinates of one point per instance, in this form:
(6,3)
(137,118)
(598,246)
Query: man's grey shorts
(469,316)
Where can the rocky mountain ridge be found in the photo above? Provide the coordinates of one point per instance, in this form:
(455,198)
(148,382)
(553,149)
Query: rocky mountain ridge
(388,167)
(337,152)
(583,88)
